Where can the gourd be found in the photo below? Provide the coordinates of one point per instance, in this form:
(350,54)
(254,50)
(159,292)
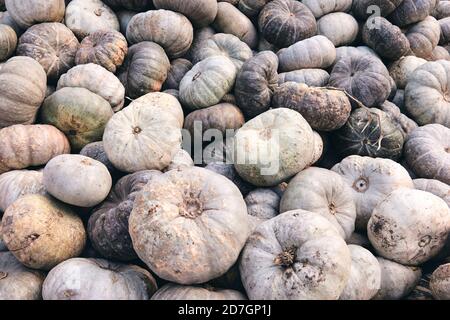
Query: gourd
(310,77)
(409,226)
(85,17)
(79,113)
(256,82)
(200,12)
(173,291)
(96,151)
(42,232)
(53,45)
(195,196)
(91,180)
(371,180)
(29,12)
(297,255)
(145,135)
(403,123)
(97,279)
(26,146)
(341,28)
(145,69)
(424,37)
(402,69)
(285,22)
(262,204)
(106,48)
(227,170)
(435,187)
(440,282)
(152,26)
(411,11)
(8,41)
(178,68)
(322,7)
(362,9)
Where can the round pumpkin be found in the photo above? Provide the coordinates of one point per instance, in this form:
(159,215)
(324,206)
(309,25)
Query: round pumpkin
(200,12)
(96,151)
(440,282)
(341,28)
(227,170)
(178,68)
(436,187)
(402,69)
(173,291)
(363,9)
(29,12)
(424,37)
(320,8)
(262,204)
(310,77)
(8,41)
(411,11)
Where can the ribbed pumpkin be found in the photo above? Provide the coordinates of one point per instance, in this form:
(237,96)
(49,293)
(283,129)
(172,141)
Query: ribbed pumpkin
(322,7)
(200,12)
(424,37)
(29,12)
(8,41)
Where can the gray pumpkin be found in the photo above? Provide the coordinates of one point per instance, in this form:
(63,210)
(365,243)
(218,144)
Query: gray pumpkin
(178,68)
(262,205)
(361,8)
(411,11)
(96,151)
(436,187)
(29,12)
(310,77)
(424,36)
(200,12)
(8,41)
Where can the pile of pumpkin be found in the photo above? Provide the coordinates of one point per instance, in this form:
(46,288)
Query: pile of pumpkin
(349,99)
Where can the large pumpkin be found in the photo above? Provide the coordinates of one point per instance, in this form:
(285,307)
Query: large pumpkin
(8,41)
(200,12)
(29,12)
(341,28)
(411,11)
(424,37)
(322,7)
(176,292)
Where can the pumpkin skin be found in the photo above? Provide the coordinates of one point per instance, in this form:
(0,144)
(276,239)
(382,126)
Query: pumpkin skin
(285,22)
(200,12)
(97,279)
(228,171)
(320,8)
(178,68)
(200,36)
(426,152)
(42,232)
(173,291)
(440,282)
(341,28)
(29,12)
(124,17)
(310,77)
(402,69)
(106,48)
(145,69)
(207,82)
(361,10)
(8,41)
(371,180)
(256,82)
(436,187)
(442,10)
(403,123)
(411,11)
(182,159)
(251,8)
(145,135)
(5,18)
(439,53)
(53,45)
(189,194)
(79,113)
(152,26)
(424,37)
(279,248)
(96,79)
(25,146)
(96,151)
(262,204)
(18,282)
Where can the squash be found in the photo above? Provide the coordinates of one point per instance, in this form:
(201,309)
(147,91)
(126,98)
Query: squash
(29,12)
(53,45)
(262,147)
(106,48)
(341,28)
(173,291)
(427,152)
(207,82)
(178,68)
(442,10)
(285,22)
(17,281)
(424,37)
(211,225)
(200,12)
(182,159)
(316,52)
(262,204)
(227,170)
(108,224)
(200,36)
(402,69)
(145,69)
(409,226)
(145,135)
(79,113)
(371,180)
(18,183)
(154,26)
(440,282)
(310,77)
(97,279)
(363,9)
(323,192)
(297,255)
(136,5)
(365,275)
(320,8)
(256,82)
(96,151)
(8,41)
(411,11)
(96,79)
(241,27)
(85,17)
(26,146)
(403,123)
(324,109)
(440,189)
(42,232)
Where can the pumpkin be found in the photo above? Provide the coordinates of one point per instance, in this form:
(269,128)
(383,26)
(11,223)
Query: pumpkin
(297,255)
(178,68)
(207,82)
(145,69)
(195,196)
(411,11)
(365,275)
(371,180)
(153,26)
(440,282)
(136,5)
(422,291)
(182,159)
(397,280)
(96,151)
(42,232)
(124,17)
(200,12)
(403,123)
(427,152)
(29,12)
(241,27)
(106,48)
(22,90)
(344,51)
(341,28)
(439,53)
(227,170)
(108,224)
(363,9)
(440,189)
(146,134)
(285,22)
(79,113)
(320,8)
(17,183)
(251,8)
(442,10)
(53,45)
(25,146)
(324,109)
(424,37)
(256,82)
(402,69)
(316,52)
(97,279)
(310,77)
(85,17)
(17,281)
(173,291)
(200,36)
(96,79)
(5,18)
(262,204)
(8,41)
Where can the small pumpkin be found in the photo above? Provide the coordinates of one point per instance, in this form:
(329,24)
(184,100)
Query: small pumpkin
(322,7)
(29,12)
(200,12)
(96,151)
(262,204)
(411,11)
(178,68)
(436,187)
(424,37)
(341,28)
(227,170)
(440,282)
(310,77)
(8,41)
(363,9)
(402,69)
(173,291)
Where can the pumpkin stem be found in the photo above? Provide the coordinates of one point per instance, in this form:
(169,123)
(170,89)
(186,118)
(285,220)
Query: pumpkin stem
(137,130)
(286,258)
(191,207)
(361,185)
(332,208)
